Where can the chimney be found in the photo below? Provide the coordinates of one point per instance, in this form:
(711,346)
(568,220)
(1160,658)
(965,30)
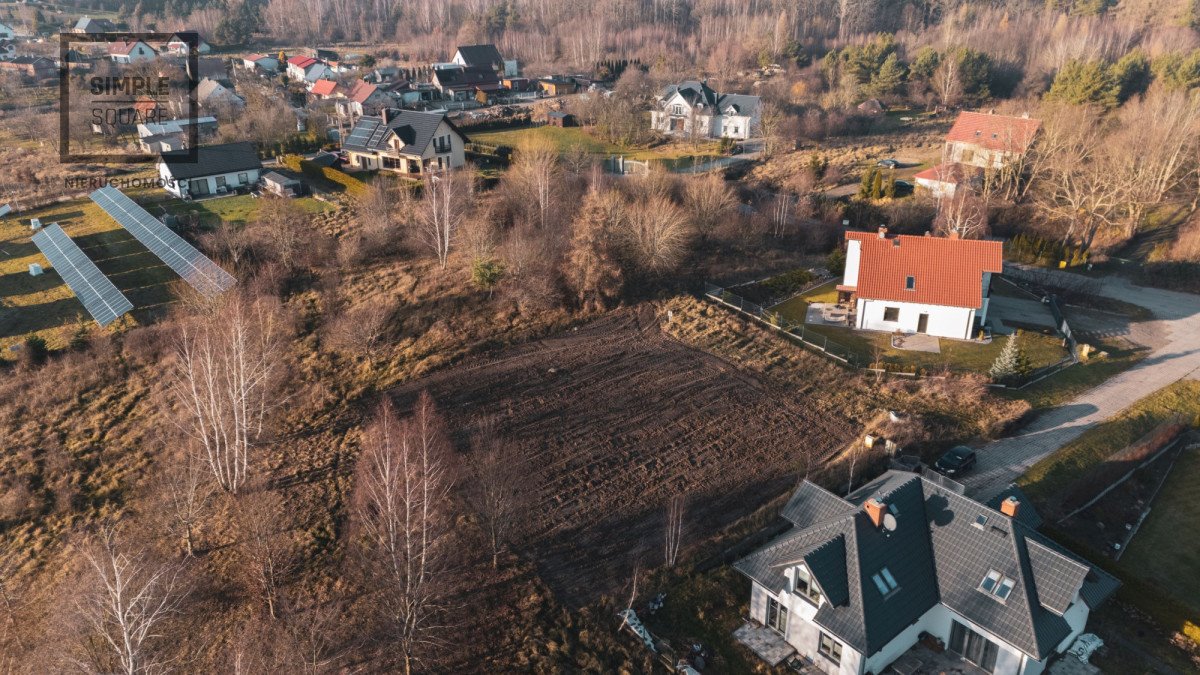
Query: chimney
(883,232)
(1010,507)
(384,114)
(953,234)
(875,510)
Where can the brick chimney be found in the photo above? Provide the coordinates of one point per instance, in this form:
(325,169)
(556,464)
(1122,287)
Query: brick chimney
(384,114)
(875,509)
(1010,507)
(953,234)
(882,232)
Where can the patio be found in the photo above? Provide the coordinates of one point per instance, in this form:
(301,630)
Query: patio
(766,643)
(828,314)
(921,660)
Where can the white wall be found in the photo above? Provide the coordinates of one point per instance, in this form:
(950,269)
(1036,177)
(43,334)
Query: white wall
(802,633)
(6,32)
(853,258)
(183,188)
(457,154)
(951,322)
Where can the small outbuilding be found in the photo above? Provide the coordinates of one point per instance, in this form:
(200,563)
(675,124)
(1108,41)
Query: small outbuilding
(284,186)
(560,119)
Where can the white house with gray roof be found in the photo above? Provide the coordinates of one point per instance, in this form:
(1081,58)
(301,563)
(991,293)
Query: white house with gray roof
(693,110)
(858,581)
(405,141)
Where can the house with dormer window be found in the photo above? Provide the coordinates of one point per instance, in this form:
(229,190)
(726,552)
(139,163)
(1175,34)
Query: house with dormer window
(934,285)
(859,581)
(693,110)
(405,141)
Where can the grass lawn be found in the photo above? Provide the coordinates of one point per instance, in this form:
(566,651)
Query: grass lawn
(1042,350)
(579,137)
(1056,472)
(1069,383)
(1171,515)
(238,209)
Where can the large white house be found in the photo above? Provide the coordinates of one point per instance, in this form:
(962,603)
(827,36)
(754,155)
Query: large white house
(858,582)
(218,169)
(934,285)
(692,109)
(405,141)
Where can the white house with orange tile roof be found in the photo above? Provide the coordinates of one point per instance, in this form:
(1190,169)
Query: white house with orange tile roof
(908,284)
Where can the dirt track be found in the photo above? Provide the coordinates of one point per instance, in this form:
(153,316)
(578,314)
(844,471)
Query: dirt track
(613,418)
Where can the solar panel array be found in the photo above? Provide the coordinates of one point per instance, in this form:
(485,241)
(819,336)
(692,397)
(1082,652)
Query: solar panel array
(99,296)
(5,210)
(368,133)
(202,274)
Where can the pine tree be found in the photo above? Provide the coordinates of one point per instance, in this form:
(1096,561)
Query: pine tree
(877,185)
(1007,363)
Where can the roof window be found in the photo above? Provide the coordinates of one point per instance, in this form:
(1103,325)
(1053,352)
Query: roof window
(910,283)
(997,585)
(884,581)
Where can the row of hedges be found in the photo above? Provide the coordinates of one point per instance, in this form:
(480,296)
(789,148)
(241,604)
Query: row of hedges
(302,142)
(350,185)
(1034,250)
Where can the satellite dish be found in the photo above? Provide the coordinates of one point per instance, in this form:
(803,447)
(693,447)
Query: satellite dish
(889,522)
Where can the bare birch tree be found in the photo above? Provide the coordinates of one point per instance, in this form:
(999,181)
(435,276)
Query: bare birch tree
(963,215)
(673,536)
(710,202)
(267,552)
(226,377)
(130,600)
(538,175)
(402,510)
(445,202)
(187,492)
(498,485)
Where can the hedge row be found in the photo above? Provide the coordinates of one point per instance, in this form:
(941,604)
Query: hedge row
(352,186)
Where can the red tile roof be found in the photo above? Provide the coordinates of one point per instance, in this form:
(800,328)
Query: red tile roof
(122,48)
(324,87)
(301,61)
(994,132)
(362,91)
(946,272)
(952,173)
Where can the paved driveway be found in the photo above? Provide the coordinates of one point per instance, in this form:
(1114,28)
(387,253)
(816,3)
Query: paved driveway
(1174,355)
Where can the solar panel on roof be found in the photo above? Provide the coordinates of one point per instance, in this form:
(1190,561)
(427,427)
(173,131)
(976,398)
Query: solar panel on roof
(99,296)
(202,274)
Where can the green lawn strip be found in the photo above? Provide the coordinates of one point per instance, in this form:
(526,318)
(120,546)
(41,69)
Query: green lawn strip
(1042,350)
(1158,553)
(1071,382)
(1058,471)
(569,138)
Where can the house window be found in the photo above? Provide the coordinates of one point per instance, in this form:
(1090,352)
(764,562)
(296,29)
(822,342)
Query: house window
(220,182)
(806,586)
(997,585)
(777,615)
(243,178)
(830,648)
(884,581)
(676,109)
(910,283)
(973,647)
(968,155)
(891,313)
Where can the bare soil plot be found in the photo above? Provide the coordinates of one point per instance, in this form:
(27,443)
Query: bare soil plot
(615,417)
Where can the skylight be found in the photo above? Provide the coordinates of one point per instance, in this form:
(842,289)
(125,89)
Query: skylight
(884,581)
(980,521)
(910,283)
(997,585)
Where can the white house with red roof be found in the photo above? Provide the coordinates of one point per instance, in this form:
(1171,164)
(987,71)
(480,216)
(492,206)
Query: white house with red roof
(308,69)
(908,284)
(977,143)
(134,51)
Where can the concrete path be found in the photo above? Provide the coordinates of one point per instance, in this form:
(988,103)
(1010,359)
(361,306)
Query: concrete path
(1174,355)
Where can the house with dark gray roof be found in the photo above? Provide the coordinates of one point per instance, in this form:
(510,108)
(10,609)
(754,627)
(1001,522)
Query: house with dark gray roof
(405,141)
(858,581)
(694,110)
(217,170)
(485,56)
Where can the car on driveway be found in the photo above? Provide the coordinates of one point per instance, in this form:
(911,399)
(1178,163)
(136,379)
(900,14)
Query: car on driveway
(888,163)
(959,460)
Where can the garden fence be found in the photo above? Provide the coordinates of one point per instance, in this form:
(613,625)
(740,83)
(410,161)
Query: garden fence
(773,320)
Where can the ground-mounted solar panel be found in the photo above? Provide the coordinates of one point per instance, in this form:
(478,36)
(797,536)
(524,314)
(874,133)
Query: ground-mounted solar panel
(202,274)
(99,296)
(5,210)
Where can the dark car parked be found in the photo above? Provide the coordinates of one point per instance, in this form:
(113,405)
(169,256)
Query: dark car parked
(957,461)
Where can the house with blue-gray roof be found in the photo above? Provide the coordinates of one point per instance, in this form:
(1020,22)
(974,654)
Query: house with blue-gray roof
(858,582)
(694,110)
(405,141)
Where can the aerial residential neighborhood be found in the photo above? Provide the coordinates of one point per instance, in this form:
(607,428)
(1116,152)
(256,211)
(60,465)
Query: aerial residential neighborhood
(637,337)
